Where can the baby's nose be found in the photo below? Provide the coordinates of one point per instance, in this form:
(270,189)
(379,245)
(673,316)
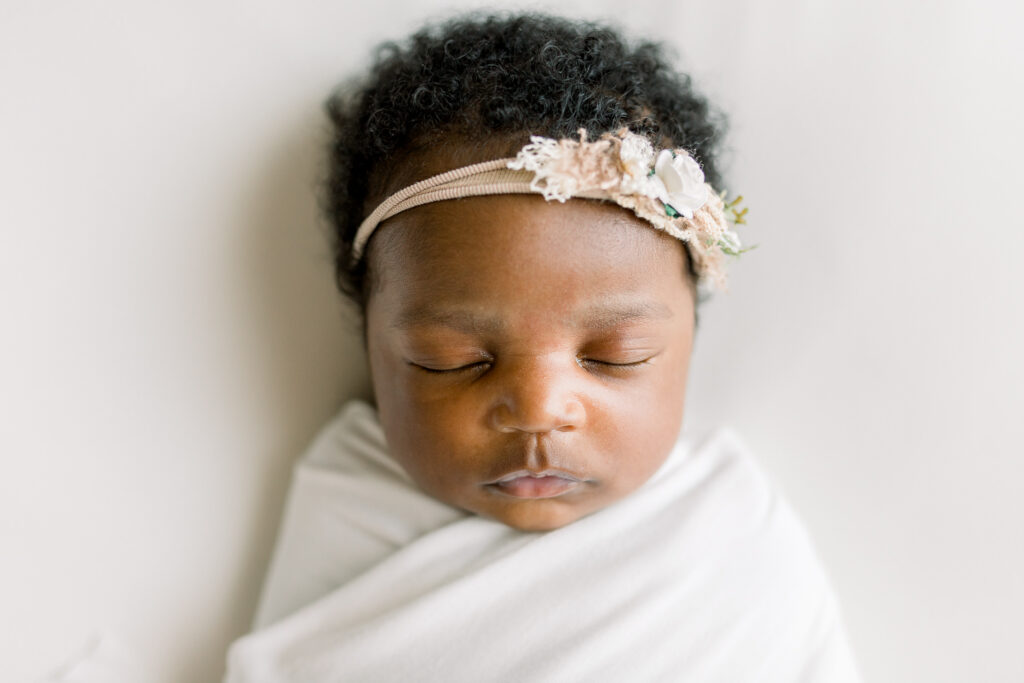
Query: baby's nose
(537,396)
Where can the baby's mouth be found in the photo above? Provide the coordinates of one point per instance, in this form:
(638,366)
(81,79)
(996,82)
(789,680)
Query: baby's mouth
(544,484)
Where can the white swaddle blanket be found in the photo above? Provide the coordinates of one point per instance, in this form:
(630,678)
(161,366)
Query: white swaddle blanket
(702,574)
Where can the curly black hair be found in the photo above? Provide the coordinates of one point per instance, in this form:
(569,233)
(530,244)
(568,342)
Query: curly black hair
(491,81)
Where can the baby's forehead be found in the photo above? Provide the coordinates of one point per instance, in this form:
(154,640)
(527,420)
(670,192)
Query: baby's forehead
(439,240)
(484,262)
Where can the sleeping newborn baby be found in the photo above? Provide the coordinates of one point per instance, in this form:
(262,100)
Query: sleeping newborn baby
(525,210)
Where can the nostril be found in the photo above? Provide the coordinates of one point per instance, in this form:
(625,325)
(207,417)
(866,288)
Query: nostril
(537,419)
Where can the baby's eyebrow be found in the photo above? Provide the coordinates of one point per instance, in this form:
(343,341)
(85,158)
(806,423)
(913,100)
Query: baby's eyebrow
(464,321)
(608,315)
(601,316)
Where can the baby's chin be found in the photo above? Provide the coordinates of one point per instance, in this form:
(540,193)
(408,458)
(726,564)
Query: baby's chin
(537,515)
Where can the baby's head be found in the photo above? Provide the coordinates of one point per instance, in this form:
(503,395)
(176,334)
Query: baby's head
(529,357)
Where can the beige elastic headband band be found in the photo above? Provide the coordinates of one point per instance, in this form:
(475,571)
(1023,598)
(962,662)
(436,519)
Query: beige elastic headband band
(486,178)
(665,187)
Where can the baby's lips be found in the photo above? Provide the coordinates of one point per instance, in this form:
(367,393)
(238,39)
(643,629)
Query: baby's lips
(529,486)
(530,474)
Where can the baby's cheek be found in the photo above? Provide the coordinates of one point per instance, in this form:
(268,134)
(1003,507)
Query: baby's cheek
(643,429)
(438,437)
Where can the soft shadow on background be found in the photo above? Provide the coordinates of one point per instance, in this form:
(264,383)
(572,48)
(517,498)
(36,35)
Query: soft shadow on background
(172,339)
(305,333)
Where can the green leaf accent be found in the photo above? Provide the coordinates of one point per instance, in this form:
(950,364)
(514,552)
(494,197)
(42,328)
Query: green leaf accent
(671,212)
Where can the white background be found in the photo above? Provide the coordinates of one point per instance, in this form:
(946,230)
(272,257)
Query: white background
(172,340)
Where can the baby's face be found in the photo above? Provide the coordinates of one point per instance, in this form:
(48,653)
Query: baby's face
(509,336)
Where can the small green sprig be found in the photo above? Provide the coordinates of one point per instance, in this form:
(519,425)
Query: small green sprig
(732,212)
(736,216)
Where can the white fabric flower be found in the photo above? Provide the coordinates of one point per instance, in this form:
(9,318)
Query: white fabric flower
(678,181)
(636,154)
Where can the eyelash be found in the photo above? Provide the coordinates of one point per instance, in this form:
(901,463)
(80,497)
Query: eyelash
(449,371)
(634,364)
(582,362)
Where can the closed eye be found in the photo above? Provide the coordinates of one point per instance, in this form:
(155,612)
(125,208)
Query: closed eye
(610,364)
(479,365)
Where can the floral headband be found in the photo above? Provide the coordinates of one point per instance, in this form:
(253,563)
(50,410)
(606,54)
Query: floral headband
(666,189)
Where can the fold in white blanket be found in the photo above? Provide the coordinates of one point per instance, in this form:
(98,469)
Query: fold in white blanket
(702,574)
